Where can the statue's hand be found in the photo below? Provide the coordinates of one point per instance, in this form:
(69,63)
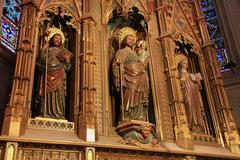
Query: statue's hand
(46,45)
(145,104)
(118,89)
(119,59)
(66,57)
(182,83)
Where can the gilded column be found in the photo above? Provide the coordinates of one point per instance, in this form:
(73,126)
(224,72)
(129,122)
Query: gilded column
(228,127)
(158,82)
(11,151)
(160,92)
(182,133)
(90,153)
(17,112)
(87,117)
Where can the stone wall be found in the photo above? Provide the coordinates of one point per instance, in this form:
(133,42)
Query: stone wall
(228,16)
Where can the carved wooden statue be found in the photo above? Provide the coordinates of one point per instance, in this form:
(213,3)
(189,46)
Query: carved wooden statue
(131,78)
(191,86)
(141,49)
(53,61)
(130,75)
(144,135)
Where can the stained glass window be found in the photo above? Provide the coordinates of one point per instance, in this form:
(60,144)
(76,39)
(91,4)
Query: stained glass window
(10,23)
(210,15)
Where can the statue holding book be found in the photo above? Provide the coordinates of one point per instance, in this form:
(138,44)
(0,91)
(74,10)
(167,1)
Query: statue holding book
(53,62)
(191,86)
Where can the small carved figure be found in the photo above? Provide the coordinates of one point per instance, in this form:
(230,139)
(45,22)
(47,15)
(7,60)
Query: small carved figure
(191,86)
(53,61)
(141,137)
(142,52)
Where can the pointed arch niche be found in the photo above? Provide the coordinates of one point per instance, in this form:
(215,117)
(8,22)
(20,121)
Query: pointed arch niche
(63,17)
(134,18)
(190,49)
(184,48)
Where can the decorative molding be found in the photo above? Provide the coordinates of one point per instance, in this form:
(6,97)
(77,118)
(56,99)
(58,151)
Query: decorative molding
(204,139)
(118,154)
(53,124)
(48,151)
(125,6)
(64,12)
(48,154)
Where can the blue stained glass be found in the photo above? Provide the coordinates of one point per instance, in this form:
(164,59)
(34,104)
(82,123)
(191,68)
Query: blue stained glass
(10,24)
(6,44)
(207,4)
(210,15)
(12,10)
(9,32)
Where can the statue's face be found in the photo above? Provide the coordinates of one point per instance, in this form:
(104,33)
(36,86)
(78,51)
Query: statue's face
(185,64)
(57,40)
(146,131)
(130,41)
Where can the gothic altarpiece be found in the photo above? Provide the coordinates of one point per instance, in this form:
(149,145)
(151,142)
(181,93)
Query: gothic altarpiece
(155,55)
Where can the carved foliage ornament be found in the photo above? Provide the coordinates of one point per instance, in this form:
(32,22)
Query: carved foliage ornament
(59,12)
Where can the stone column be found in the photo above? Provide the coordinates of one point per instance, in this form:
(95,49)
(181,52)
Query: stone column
(17,111)
(228,127)
(228,15)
